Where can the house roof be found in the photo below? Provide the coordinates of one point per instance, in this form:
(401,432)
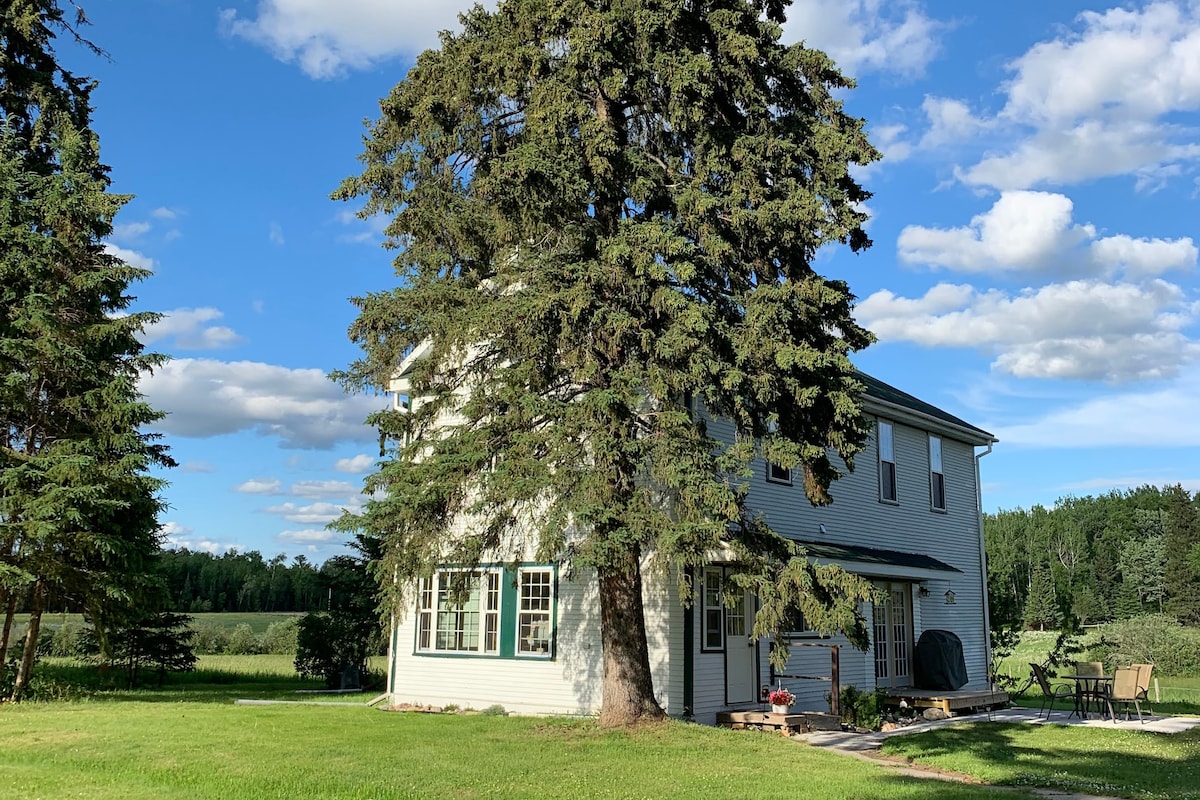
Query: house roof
(891,398)
(873,561)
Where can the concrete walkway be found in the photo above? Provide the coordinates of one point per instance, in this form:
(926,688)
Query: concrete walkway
(865,746)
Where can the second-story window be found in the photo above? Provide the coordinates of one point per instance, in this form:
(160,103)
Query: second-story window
(887,462)
(776,473)
(937,479)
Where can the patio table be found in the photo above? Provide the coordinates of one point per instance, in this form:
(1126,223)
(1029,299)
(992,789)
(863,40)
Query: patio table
(1087,688)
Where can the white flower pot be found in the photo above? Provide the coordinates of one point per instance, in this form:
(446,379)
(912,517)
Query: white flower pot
(779,708)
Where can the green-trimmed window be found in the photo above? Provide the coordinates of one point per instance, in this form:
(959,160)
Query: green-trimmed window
(459,612)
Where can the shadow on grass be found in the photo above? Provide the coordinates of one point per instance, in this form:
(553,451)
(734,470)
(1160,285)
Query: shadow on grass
(1123,761)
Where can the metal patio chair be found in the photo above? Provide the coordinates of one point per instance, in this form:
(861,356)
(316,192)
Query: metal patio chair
(1125,690)
(1051,692)
(1145,671)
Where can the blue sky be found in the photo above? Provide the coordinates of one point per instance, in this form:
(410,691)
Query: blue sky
(1033,271)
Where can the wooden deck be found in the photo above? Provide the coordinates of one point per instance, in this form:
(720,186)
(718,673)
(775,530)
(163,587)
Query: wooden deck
(950,702)
(795,722)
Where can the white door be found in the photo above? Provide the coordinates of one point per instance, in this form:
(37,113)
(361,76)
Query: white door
(893,635)
(741,655)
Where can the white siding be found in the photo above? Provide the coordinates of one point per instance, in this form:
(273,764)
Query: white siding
(858,517)
(568,684)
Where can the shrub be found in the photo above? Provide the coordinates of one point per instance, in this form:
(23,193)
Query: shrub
(1155,639)
(334,646)
(242,641)
(67,640)
(280,637)
(210,639)
(861,709)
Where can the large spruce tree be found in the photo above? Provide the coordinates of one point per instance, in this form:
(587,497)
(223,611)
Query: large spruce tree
(607,211)
(77,503)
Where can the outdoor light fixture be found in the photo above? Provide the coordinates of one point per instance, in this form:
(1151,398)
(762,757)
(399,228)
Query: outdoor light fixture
(923,591)
(950,597)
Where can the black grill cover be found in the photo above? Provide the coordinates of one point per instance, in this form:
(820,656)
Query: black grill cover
(938,662)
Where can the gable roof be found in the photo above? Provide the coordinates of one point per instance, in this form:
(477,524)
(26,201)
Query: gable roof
(885,398)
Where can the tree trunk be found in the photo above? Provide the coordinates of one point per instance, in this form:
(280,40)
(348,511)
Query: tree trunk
(29,654)
(628,691)
(10,608)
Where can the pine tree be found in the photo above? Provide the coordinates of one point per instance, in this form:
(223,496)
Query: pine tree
(604,210)
(77,505)
(1181,579)
(1041,608)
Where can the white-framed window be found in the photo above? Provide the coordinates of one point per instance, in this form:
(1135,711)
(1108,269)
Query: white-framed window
(887,462)
(535,609)
(937,478)
(459,612)
(713,611)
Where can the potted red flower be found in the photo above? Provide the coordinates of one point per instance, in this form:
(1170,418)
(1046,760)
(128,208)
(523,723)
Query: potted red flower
(781,700)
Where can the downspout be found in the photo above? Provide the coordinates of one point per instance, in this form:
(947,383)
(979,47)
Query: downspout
(987,616)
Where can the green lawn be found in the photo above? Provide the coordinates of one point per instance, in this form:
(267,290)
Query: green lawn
(1121,762)
(136,750)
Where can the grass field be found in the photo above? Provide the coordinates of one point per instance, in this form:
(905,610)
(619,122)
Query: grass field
(143,750)
(1122,762)
(257,621)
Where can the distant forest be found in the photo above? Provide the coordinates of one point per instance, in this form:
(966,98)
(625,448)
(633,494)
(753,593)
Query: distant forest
(198,581)
(1096,559)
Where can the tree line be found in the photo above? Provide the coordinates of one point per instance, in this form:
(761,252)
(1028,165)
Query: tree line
(199,582)
(1096,559)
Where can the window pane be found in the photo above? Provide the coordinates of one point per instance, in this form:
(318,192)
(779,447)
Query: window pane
(712,629)
(935,454)
(887,450)
(938,486)
(887,477)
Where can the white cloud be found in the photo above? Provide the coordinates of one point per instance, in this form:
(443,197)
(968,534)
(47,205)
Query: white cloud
(867,35)
(1079,330)
(275,234)
(1164,417)
(949,121)
(204,397)
(260,486)
(187,329)
(131,257)
(369,230)
(1101,100)
(162,212)
(327,39)
(198,467)
(312,514)
(314,489)
(1127,482)
(358,465)
(177,536)
(1034,232)
(311,537)
(130,230)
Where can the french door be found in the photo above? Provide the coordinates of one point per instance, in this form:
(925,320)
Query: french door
(893,634)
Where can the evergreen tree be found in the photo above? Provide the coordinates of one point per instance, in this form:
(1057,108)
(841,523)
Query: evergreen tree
(1041,609)
(77,506)
(603,210)
(1181,579)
